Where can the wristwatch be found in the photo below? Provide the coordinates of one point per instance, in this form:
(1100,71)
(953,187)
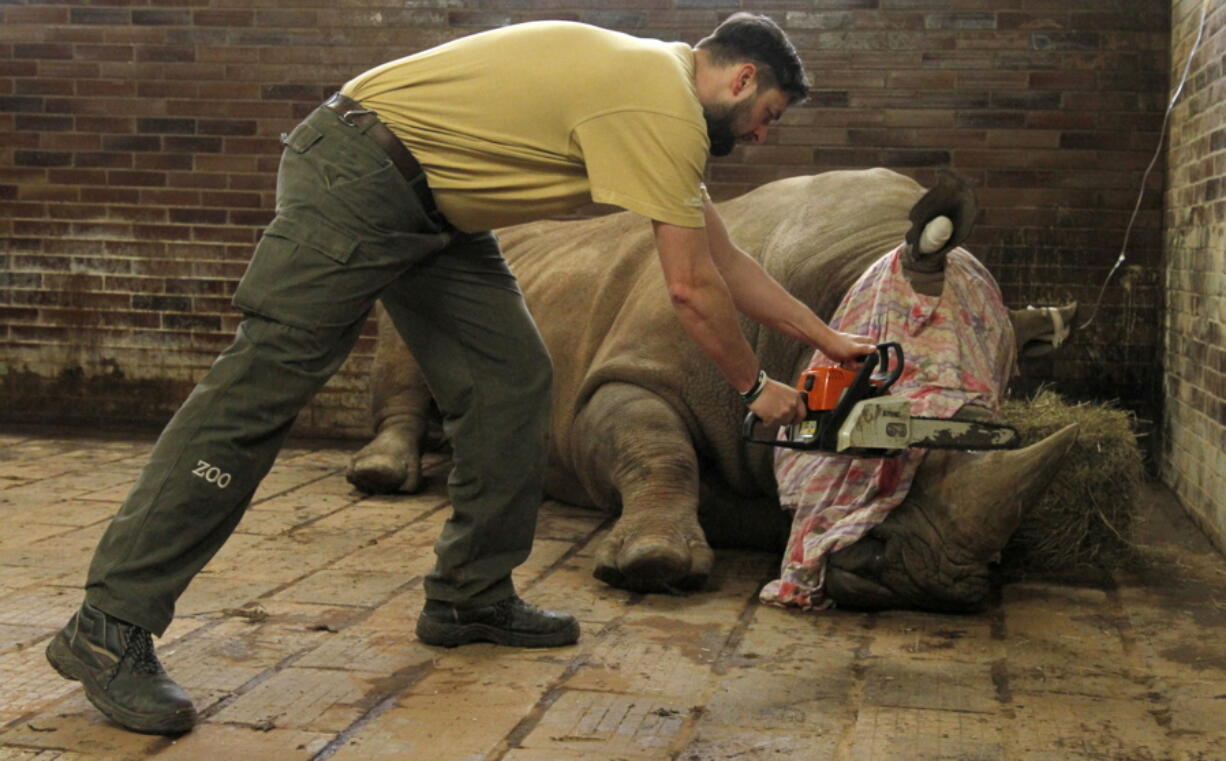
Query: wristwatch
(756,389)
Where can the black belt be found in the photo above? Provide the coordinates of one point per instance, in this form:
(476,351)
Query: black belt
(352,113)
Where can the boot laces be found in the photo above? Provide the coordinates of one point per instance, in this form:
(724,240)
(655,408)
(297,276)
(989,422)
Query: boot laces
(140,647)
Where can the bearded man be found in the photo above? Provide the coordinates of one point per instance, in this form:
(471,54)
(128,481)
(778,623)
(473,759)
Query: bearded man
(388,191)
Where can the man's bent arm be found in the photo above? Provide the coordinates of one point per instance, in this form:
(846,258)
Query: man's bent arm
(761,298)
(706,311)
(703,303)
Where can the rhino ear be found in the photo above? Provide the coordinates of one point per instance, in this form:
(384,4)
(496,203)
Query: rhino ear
(984,495)
(953,199)
(1041,330)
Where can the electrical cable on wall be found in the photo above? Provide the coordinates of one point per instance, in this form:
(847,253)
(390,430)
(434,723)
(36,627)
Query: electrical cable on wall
(1157,152)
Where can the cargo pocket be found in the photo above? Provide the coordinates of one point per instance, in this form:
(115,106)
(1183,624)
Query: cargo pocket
(334,244)
(298,276)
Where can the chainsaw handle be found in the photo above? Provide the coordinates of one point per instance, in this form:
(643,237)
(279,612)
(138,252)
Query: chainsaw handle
(883,350)
(751,420)
(862,388)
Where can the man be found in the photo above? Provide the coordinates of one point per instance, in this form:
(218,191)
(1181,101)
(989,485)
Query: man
(388,191)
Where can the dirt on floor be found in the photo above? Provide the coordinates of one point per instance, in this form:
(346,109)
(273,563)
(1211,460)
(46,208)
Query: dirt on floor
(296,642)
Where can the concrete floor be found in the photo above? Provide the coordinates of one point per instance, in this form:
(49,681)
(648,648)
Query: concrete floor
(296,643)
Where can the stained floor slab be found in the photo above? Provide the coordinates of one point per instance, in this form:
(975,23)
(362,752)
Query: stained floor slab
(297,644)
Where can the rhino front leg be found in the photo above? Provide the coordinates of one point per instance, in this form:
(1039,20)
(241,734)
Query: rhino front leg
(400,406)
(634,451)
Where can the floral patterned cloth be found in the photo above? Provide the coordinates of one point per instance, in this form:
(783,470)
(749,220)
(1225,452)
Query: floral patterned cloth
(959,349)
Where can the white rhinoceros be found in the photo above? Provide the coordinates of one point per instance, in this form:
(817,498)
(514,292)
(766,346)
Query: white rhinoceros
(643,424)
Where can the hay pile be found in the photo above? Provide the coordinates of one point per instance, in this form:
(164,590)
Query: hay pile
(1087,515)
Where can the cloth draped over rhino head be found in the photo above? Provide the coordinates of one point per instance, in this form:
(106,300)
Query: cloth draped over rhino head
(959,350)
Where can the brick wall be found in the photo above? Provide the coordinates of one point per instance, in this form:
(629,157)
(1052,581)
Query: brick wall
(138,149)
(1194,325)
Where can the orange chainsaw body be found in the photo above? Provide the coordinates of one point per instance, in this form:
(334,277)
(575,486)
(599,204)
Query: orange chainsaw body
(823,386)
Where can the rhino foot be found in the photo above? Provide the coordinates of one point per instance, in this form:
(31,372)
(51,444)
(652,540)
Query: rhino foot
(390,463)
(672,561)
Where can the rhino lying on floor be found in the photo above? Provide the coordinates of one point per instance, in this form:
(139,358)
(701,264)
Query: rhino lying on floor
(642,422)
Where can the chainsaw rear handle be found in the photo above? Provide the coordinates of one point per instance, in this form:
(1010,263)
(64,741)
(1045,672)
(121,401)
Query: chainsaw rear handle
(864,386)
(752,420)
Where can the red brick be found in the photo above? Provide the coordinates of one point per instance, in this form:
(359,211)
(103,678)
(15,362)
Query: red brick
(70,141)
(40,228)
(223,235)
(32,14)
(43,51)
(170,197)
(235,54)
(254,218)
(42,158)
(1063,80)
(198,216)
(134,178)
(196,180)
(136,35)
(18,68)
(136,213)
(105,124)
(253,182)
(96,106)
(110,16)
(162,17)
(103,52)
(223,18)
(106,88)
(43,87)
(110,195)
(165,53)
(250,145)
(42,123)
(215,162)
(169,161)
(166,89)
(302,18)
(50,193)
(157,232)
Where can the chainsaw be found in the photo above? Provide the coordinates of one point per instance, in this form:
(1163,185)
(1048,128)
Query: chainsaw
(851,412)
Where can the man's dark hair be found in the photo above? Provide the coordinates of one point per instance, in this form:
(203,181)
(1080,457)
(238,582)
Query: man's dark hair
(758,40)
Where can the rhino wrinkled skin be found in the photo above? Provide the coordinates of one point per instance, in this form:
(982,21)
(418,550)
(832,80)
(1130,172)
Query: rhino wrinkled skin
(642,422)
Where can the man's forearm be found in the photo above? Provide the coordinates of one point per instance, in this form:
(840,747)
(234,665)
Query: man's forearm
(762,299)
(759,296)
(710,321)
(703,303)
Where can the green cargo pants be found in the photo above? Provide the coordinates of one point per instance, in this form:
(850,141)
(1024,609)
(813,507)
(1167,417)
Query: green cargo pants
(348,231)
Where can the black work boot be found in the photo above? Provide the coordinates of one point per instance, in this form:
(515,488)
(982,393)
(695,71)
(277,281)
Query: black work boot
(507,622)
(122,676)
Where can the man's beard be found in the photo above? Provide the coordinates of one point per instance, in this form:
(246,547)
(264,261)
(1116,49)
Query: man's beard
(720,130)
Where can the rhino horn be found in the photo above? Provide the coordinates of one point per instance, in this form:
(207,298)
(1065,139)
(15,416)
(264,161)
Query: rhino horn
(985,494)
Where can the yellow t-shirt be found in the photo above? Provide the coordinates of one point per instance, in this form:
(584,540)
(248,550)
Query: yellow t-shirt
(532,120)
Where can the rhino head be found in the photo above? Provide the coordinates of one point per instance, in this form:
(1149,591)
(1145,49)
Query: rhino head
(934,549)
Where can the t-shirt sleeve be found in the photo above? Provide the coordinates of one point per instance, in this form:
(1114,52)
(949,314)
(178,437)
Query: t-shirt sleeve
(648,163)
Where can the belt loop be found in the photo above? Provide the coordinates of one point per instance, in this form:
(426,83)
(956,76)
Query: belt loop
(359,112)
